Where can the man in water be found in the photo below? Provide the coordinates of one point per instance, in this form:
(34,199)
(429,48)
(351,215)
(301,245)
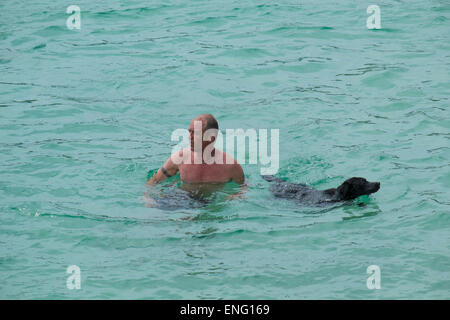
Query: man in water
(202,163)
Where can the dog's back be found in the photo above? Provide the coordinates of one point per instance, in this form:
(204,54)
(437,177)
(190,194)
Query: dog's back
(298,191)
(350,189)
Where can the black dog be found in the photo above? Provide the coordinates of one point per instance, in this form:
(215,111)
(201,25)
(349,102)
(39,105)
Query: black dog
(349,190)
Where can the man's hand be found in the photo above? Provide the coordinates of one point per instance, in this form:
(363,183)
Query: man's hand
(168,169)
(149,201)
(240,194)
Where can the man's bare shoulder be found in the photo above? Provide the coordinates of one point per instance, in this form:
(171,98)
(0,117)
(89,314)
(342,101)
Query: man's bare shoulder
(180,156)
(235,169)
(227,158)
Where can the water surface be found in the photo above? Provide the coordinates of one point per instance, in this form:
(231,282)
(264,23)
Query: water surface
(85,114)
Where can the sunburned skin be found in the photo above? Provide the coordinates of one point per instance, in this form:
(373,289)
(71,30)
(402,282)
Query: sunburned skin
(225,170)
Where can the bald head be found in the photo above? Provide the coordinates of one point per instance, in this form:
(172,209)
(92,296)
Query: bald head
(209,126)
(208,121)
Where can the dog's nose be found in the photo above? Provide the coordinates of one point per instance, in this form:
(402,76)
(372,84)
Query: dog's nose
(377,184)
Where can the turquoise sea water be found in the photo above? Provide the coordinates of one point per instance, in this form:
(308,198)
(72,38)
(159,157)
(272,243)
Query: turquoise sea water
(85,114)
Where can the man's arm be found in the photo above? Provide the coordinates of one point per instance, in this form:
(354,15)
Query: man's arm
(237,174)
(238,177)
(168,169)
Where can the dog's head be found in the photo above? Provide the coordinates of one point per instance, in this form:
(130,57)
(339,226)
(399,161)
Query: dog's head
(355,187)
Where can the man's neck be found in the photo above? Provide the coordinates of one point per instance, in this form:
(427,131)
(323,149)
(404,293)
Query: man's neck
(199,155)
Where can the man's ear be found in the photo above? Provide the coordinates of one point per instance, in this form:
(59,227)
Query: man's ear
(209,135)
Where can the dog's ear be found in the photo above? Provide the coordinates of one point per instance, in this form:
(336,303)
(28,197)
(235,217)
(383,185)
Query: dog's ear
(343,191)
